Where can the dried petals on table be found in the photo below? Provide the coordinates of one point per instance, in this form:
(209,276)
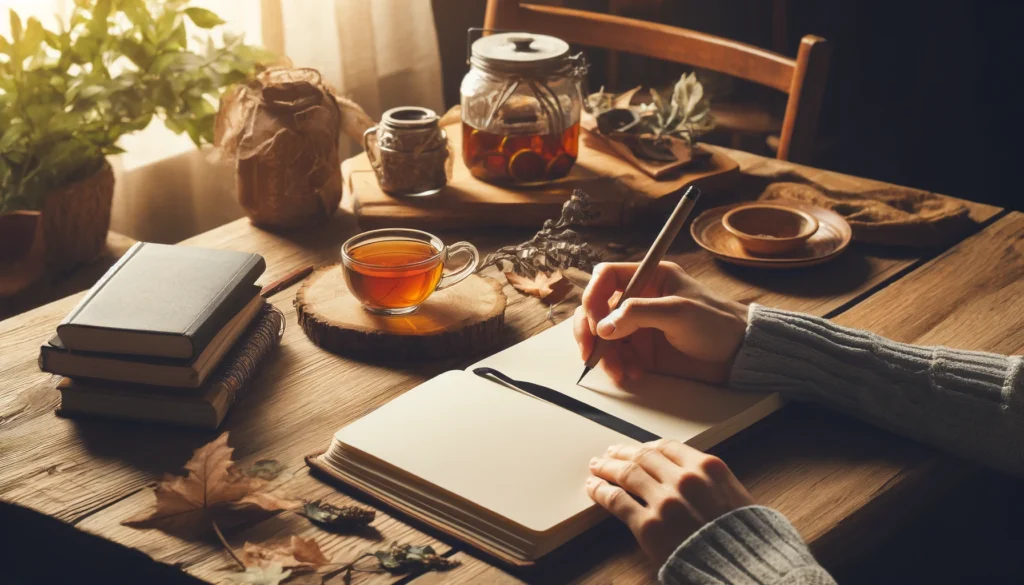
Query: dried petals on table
(338,519)
(549,288)
(297,552)
(272,575)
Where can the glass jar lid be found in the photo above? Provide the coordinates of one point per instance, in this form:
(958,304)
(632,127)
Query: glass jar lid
(516,52)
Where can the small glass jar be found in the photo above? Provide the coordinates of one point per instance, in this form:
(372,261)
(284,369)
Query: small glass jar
(408,150)
(521,104)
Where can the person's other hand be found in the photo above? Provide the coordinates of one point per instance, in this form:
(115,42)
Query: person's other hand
(674,326)
(664,491)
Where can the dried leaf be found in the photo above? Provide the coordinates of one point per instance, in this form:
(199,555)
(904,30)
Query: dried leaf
(332,517)
(549,288)
(212,483)
(298,552)
(265,469)
(272,575)
(624,100)
(403,558)
(554,247)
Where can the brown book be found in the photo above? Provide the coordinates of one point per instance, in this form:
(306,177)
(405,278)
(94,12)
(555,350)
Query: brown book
(162,301)
(57,359)
(204,407)
(504,470)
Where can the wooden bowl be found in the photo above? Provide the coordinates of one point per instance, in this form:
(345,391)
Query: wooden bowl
(833,236)
(769,229)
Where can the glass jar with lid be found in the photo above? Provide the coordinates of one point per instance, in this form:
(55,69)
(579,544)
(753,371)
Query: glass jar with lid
(521,105)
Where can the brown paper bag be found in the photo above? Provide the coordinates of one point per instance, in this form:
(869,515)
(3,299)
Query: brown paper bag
(282,131)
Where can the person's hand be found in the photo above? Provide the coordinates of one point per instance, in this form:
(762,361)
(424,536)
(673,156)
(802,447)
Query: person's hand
(674,326)
(664,491)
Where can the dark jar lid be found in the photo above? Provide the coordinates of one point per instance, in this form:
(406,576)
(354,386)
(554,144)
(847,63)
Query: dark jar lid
(520,52)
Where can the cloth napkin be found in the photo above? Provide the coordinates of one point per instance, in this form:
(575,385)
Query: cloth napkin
(878,213)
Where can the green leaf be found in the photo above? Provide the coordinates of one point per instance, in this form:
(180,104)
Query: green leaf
(12,134)
(52,39)
(32,38)
(203,18)
(136,12)
(136,52)
(98,23)
(5,46)
(179,36)
(15,26)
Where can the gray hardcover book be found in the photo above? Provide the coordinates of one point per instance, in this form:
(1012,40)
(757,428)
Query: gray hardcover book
(162,301)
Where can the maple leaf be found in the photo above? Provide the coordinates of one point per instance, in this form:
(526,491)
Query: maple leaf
(213,483)
(298,552)
(272,575)
(549,288)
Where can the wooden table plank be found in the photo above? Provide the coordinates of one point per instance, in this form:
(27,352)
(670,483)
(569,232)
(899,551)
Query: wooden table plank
(842,483)
(93,473)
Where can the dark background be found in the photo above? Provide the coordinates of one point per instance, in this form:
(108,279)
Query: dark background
(924,94)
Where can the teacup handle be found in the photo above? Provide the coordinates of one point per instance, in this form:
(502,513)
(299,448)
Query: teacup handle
(467,268)
(370,154)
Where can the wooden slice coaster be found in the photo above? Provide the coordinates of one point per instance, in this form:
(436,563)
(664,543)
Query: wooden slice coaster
(463,320)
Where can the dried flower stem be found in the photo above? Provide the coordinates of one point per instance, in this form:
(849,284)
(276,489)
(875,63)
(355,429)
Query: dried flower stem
(227,546)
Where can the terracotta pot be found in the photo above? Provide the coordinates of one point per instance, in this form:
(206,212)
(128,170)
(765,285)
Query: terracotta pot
(75,220)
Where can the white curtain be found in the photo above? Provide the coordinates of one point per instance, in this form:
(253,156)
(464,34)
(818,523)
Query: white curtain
(381,53)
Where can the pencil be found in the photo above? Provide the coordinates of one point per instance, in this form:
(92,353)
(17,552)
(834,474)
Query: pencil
(647,266)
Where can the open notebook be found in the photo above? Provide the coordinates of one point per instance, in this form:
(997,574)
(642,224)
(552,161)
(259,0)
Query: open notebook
(504,471)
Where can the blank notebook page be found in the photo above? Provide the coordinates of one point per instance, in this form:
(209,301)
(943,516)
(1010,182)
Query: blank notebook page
(506,451)
(693,412)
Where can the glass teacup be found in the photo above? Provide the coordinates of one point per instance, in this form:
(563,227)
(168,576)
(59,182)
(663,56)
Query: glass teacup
(392,271)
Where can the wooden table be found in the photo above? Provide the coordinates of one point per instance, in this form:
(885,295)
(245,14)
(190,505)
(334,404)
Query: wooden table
(842,483)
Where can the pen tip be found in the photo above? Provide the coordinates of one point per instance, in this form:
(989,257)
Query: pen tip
(585,370)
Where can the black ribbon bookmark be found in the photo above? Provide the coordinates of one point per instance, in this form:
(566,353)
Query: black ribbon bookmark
(571,404)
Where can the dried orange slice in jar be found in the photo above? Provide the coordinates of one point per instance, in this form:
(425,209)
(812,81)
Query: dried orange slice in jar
(559,166)
(526,166)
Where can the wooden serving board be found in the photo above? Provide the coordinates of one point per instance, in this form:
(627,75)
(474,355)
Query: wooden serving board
(461,321)
(624,194)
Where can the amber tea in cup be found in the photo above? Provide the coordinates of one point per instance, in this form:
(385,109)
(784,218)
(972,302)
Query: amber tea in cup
(392,271)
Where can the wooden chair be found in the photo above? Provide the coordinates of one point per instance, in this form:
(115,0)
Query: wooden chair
(803,78)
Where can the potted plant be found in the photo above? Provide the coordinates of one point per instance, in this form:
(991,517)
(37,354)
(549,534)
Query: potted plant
(67,96)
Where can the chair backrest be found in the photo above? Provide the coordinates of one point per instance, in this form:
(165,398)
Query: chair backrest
(803,78)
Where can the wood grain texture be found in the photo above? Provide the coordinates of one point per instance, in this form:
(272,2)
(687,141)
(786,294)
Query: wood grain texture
(94,473)
(622,193)
(843,484)
(803,79)
(463,320)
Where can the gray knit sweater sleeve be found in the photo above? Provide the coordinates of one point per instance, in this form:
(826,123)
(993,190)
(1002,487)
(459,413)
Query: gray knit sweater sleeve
(969,403)
(965,402)
(750,546)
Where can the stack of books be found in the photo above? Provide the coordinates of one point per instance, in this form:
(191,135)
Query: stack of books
(169,334)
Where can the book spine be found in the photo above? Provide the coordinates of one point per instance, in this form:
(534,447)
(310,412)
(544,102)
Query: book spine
(102,282)
(235,295)
(240,365)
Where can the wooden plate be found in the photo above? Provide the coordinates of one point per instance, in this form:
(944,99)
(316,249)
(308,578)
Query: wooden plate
(832,237)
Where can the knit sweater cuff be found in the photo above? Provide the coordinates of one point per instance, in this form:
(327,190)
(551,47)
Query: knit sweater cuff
(966,402)
(801,354)
(754,545)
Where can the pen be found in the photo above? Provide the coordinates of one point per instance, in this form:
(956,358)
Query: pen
(648,265)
